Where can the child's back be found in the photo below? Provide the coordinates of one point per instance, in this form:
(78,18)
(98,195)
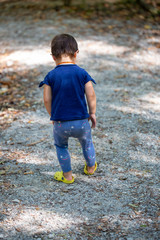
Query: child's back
(67,82)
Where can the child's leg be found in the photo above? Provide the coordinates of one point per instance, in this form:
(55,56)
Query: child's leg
(79,129)
(87,144)
(63,158)
(61,143)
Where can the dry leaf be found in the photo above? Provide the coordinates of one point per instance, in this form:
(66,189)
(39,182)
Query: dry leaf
(30,121)
(122,178)
(144,225)
(133,205)
(2,172)
(27,104)
(100,228)
(110,26)
(138,213)
(34,143)
(147,26)
(30,172)
(121,76)
(104,220)
(18,229)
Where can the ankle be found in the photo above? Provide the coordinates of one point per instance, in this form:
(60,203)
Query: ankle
(68,175)
(90,169)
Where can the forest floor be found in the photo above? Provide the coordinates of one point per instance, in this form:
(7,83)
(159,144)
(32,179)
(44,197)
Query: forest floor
(121,200)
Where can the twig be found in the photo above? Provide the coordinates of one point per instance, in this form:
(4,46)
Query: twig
(8,83)
(34,143)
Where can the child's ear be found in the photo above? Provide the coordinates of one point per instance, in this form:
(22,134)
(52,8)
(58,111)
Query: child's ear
(75,54)
(54,58)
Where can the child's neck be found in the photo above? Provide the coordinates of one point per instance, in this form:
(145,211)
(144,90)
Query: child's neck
(65,60)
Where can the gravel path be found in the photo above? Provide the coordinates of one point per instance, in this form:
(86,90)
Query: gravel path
(121,200)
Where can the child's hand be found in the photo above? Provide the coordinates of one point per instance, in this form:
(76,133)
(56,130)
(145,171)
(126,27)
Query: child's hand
(93,120)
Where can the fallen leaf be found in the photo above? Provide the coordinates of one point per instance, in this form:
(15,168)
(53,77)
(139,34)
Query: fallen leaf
(104,220)
(138,213)
(121,76)
(18,229)
(100,228)
(34,143)
(26,173)
(147,26)
(144,225)
(122,178)
(133,205)
(157,45)
(22,98)
(2,172)
(30,121)
(27,104)
(110,26)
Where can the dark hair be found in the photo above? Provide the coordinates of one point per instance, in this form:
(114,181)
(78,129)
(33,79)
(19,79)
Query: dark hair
(63,44)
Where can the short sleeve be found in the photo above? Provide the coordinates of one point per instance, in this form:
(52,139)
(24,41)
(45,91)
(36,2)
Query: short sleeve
(45,81)
(88,78)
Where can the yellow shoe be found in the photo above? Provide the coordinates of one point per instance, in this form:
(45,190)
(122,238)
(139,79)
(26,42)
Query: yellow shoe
(60,177)
(86,172)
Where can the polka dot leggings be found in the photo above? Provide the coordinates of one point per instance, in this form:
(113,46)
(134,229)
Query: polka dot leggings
(79,129)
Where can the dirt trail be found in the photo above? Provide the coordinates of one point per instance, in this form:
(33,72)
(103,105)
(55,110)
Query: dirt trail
(121,200)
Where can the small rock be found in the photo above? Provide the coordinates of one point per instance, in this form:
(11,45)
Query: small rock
(24,80)
(4,89)
(104,219)
(95,207)
(115,222)
(122,178)
(51,236)
(16,201)
(120,169)
(1,236)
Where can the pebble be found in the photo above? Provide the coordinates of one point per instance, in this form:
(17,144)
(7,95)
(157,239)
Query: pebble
(51,236)
(16,201)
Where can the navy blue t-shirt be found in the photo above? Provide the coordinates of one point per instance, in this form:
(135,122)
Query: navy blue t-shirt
(67,82)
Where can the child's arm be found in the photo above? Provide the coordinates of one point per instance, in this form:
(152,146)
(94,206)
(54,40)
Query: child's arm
(91,100)
(47,97)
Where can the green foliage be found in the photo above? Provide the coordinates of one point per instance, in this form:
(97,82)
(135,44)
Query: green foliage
(85,8)
(67,3)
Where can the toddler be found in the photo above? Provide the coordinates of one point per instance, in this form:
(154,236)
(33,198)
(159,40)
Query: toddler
(65,88)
